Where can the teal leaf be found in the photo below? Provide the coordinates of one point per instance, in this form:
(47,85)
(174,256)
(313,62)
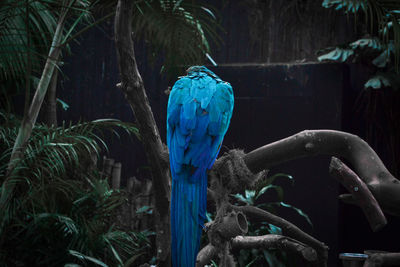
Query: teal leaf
(299,211)
(275,229)
(208,216)
(367,42)
(377,82)
(250,194)
(209,12)
(64,105)
(253,261)
(241,198)
(383,59)
(145,209)
(278,190)
(339,54)
(86,258)
(272,178)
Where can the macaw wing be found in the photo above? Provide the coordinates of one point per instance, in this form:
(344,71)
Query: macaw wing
(199,112)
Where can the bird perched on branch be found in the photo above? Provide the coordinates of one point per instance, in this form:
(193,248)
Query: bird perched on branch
(199,110)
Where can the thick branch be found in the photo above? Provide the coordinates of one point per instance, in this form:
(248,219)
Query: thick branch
(284,243)
(132,86)
(288,228)
(383,185)
(360,193)
(382,259)
(205,255)
(275,242)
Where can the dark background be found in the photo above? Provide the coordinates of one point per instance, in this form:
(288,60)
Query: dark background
(273,100)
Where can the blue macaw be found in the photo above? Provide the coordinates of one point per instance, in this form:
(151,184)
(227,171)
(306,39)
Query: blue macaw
(199,110)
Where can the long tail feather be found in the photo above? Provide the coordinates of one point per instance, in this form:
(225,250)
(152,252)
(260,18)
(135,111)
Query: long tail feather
(188,208)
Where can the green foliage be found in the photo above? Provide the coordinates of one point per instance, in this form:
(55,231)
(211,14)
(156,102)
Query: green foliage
(27,28)
(266,187)
(383,18)
(374,53)
(51,151)
(27,32)
(178,30)
(63,208)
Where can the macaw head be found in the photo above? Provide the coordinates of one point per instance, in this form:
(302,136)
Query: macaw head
(194,69)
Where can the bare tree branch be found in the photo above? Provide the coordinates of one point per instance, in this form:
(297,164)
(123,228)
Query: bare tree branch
(284,243)
(156,152)
(275,242)
(366,163)
(360,193)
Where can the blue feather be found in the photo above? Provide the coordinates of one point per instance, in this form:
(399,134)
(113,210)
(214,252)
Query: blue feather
(199,110)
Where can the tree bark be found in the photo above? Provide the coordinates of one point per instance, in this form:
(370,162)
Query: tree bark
(50,108)
(206,254)
(284,243)
(366,163)
(275,242)
(156,151)
(288,228)
(360,193)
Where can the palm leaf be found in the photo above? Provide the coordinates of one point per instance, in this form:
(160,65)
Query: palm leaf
(179,30)
(59,210)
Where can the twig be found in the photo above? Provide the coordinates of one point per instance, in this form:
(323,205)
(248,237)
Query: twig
(360,193)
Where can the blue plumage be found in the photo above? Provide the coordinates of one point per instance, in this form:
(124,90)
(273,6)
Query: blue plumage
(199,111)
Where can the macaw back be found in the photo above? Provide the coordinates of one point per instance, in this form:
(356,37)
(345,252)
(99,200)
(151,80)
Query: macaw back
(199,110)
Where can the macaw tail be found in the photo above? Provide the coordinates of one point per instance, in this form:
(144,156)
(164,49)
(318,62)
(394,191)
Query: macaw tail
(188,210)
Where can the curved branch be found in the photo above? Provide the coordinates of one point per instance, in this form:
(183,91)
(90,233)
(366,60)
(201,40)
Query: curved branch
(360,193)
(275,242)
(288,228)
(369,167)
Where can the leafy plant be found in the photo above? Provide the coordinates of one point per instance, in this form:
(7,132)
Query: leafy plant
(179,30)
(253,197)
(381,51)
(383,17)
(27,29)
(61,212)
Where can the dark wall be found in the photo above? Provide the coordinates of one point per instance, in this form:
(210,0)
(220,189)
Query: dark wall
(269,31)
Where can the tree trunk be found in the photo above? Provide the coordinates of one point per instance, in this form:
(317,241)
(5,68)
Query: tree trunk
(50,108)
(156,151)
